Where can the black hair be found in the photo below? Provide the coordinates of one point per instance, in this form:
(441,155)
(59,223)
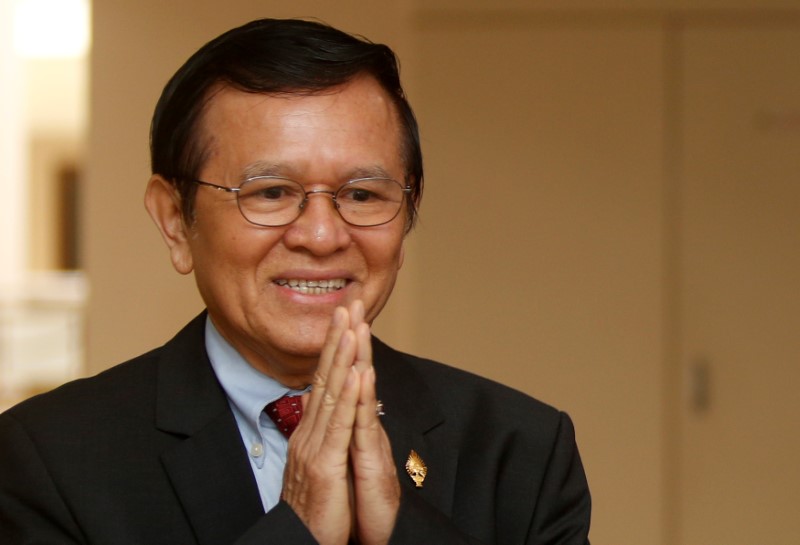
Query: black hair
(271,56)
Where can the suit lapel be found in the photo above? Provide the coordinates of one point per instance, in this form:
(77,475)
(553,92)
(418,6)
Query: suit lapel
(414,420)
(208,468)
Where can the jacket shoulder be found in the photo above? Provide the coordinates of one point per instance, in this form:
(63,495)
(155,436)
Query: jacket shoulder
(126,390)
(467,396)
(122,388)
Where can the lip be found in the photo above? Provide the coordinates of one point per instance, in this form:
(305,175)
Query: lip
(315,275)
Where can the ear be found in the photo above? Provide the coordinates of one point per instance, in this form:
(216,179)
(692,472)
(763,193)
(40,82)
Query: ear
(164,205)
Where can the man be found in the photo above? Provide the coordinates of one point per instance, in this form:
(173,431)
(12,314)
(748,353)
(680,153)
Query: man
(286,175)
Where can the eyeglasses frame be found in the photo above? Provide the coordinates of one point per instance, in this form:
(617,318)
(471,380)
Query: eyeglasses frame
(236,190)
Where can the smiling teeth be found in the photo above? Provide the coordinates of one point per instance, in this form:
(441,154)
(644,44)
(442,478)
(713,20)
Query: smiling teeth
(313,287)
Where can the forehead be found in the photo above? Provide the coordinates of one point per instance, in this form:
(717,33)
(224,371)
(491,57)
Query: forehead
(352,126)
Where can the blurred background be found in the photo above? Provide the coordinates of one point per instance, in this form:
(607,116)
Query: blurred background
(611,223)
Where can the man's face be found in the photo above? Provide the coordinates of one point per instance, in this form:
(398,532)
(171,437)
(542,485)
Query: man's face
(241,269)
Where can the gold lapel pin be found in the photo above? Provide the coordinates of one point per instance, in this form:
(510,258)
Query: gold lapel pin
(416,468)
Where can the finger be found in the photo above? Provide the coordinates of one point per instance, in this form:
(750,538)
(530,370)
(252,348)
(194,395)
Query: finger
(339,426)
(377,489)
(356,313)
(367,433)
(316,479)
(339,373)
(318,455)
(361,328)
(370,447)
(339,324)
(363,357)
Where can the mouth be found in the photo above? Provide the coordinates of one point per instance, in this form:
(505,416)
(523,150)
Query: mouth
(312,287)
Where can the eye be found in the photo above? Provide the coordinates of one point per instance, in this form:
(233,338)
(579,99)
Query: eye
(359,195)
(369,191)
(271,193)
(271,190)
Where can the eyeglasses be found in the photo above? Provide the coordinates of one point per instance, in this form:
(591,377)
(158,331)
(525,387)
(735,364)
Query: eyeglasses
(271,201)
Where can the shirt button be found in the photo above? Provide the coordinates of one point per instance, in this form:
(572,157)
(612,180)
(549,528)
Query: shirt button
(257,450)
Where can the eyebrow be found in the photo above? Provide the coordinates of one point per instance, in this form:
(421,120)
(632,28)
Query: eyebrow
(264,168)
(261,168)
(368,172)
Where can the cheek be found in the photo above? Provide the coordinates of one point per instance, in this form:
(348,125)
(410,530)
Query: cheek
(385,255)
(231,242)
(383,261)
(398,253)
(225,257)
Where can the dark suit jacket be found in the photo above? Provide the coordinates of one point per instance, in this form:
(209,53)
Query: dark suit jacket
(148,453)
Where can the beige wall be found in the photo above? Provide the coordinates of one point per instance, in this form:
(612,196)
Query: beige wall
(542,260)
(547,255)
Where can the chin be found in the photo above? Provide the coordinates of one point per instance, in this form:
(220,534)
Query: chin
(304,343)
(305,350)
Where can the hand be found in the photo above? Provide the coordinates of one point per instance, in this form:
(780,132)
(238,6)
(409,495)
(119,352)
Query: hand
(316,478)
(375,485)
(340,477)
(377,490)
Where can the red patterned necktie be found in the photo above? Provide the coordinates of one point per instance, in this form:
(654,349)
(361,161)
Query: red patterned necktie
(286,412)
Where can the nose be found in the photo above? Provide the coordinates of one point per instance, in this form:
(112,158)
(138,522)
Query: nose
(319,229)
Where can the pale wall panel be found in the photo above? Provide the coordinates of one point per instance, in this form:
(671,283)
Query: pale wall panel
(539,251)
(740,228)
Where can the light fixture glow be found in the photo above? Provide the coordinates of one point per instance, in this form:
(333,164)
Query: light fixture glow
(52,28)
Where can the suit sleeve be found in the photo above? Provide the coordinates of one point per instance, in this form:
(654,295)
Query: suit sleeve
(279,526)
(31,509)
(563,507)
(561,513)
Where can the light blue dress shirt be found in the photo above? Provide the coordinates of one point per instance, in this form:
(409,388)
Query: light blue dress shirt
(249,391)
